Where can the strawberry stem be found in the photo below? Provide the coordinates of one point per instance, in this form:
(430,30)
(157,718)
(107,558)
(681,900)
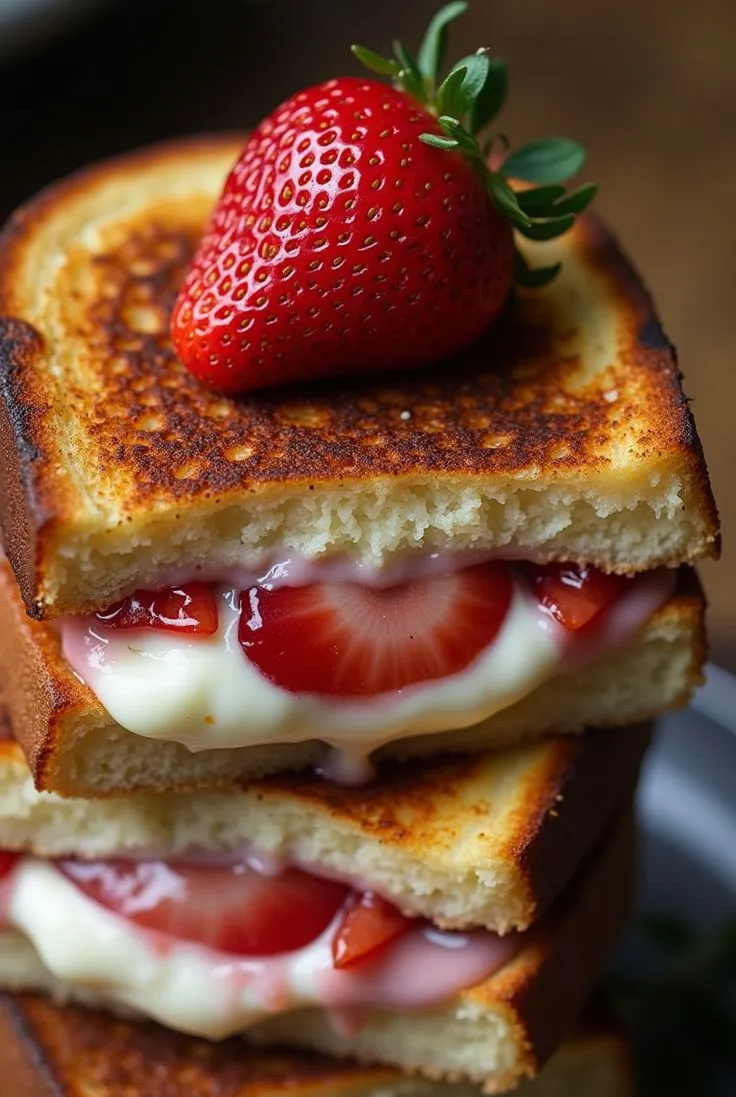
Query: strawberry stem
(464,103)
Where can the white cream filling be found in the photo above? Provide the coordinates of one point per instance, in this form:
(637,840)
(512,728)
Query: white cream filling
(197,990)
(205,693)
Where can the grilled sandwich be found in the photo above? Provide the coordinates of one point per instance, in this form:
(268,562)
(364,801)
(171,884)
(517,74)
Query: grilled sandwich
(491,551)
(449,922)
(47,1049)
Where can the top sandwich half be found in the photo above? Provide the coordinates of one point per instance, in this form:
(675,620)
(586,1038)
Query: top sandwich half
(563,435)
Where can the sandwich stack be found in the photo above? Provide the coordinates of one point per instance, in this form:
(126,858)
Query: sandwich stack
(299,683)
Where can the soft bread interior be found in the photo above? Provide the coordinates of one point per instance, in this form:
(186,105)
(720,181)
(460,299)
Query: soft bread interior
(493,1034)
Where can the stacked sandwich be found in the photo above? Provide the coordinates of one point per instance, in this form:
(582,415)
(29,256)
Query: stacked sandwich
(296,681)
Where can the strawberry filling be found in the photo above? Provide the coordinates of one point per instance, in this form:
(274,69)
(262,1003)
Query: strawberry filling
(188,608)
(348,640)
(575,596)
(237,909)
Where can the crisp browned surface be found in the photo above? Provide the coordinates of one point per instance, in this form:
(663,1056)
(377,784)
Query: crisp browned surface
(524,402)
(517,400)
(77,1053)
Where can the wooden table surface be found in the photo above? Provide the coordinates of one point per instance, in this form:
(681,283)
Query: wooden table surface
(648,85)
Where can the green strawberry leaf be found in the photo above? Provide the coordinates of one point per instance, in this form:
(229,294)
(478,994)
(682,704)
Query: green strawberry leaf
(506,201)
(384,66)
(551,160)
(409,76)
(451,99)
(454,128)
(491,97)
(547,230)
(434,45)
(540,199)
(476,68)
(438,142)
(577,200)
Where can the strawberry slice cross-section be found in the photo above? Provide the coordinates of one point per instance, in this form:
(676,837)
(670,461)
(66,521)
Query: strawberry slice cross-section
(348,640)
(232,909)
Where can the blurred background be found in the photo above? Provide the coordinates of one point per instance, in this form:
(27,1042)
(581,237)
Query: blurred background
(648,85)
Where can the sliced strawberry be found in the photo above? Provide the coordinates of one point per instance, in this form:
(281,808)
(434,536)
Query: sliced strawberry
(188,608)
(7,862)
(368,924)
(349,640)
(574,595)
(231,909)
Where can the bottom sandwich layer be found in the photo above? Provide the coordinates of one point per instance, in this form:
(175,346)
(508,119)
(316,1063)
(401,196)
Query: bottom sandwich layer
(46,1050)
(493,1033)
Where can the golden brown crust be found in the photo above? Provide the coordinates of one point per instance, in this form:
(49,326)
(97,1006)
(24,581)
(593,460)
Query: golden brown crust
(519,404)
(48,1050)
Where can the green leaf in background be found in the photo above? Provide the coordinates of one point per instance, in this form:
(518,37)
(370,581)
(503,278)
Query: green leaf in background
(669,933)
(434,45)
(385,66)
(680,1008)
(551,160)
(491,98)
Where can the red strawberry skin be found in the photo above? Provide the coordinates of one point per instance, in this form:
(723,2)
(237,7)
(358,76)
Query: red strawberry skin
(342,244)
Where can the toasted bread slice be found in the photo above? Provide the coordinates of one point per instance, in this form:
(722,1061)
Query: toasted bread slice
(483,841)
(75,748)
(493,1034)
(564,434)
(46,1050)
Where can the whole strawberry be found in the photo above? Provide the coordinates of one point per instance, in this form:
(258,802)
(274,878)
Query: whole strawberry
(361,229)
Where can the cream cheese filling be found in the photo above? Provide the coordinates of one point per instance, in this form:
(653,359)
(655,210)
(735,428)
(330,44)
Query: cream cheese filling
(197,990)
(205,693)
